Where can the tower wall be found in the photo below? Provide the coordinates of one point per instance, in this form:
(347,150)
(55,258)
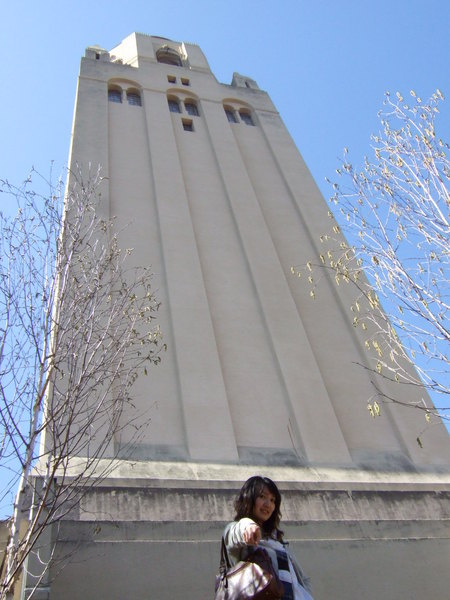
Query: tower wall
(221,213)
(257,377)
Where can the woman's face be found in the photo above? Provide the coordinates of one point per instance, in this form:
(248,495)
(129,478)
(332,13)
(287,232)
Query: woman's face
(264,506)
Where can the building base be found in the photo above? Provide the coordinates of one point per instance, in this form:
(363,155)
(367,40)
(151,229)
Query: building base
(357,534)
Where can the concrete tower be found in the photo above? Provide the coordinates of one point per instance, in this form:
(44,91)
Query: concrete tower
(257,378)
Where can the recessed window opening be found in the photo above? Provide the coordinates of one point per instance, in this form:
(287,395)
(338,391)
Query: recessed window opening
(185,81)
(188,125)
(168,56)
(173,105)
(115,95)
(191,108)
(246,117)
(230,114)
(134,98)
(171,79)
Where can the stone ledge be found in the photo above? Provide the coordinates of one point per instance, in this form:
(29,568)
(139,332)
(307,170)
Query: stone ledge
(164,474)
(212,505)
(191,531)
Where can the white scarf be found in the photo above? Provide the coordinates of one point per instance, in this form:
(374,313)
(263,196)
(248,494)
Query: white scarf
(281,560)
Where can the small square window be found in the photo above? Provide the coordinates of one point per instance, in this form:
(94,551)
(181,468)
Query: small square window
(185,81)
(188,125)
(171,79)
(174,106)
(246,118)
(230,115)
(134,99)
(191,109)
(115,96)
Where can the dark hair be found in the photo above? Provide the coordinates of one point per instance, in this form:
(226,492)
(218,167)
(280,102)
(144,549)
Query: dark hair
(245,502)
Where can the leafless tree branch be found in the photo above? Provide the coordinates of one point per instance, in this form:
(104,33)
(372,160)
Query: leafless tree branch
(77,328)
(395,212)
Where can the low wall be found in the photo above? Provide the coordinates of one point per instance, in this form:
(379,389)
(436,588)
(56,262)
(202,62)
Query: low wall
(158,539)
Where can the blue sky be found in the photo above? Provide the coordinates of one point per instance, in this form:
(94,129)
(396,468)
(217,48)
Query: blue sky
(325,63)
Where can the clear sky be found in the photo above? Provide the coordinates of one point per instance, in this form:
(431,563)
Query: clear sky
(325,63)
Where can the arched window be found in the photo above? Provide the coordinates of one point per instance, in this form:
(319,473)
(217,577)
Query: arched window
(191,108)
(115,95)
(134,98)
(246,117)
(174,105)
(230,114)
(168,56)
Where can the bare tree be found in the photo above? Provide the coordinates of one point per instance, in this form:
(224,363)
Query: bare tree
(395,211)
(77,327)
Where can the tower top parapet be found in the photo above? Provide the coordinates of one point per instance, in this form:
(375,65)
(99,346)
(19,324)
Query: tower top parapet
(139,47)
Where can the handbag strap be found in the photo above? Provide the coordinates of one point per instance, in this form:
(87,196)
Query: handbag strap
(225,563)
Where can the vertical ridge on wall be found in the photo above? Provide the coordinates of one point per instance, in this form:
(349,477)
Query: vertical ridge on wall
(308,399)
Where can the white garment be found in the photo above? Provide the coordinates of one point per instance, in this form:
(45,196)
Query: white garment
(237,550)
(300,592)
(287,576)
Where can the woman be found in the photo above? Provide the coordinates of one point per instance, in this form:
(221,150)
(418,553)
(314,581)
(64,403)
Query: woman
(257,522)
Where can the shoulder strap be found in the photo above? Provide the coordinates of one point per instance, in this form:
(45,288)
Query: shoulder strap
(225,563)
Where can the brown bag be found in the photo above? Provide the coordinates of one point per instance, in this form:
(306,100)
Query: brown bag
(250,579)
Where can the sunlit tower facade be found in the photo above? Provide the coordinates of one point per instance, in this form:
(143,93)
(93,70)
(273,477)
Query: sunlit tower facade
(258,377)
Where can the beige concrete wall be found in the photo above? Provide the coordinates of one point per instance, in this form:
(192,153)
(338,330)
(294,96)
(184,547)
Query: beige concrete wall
(355,540)
(255,370)
(341,569)
(257,376)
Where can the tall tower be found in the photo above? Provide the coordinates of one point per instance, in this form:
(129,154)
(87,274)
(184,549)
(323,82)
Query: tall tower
(257,378)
